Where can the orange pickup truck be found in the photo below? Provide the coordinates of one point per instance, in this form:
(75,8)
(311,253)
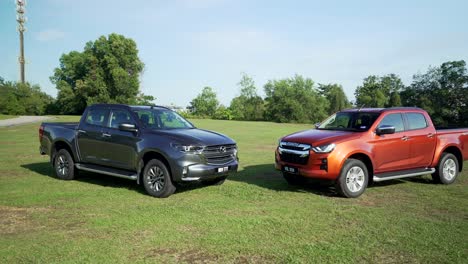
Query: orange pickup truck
(356,146)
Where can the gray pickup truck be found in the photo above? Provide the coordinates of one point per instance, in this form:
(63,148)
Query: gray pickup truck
(150,144)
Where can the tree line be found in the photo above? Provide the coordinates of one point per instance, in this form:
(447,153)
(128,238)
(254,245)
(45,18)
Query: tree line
(108,71)
(442,91)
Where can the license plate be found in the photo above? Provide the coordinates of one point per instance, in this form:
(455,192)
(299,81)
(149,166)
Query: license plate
(290,169)
(223,169)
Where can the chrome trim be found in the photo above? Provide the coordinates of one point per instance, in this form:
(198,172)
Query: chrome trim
(293,144)
(301,153)
(191,179)
(131,177)
(378,179)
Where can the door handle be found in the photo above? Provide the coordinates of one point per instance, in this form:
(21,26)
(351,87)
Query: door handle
(106,135)
(81,131)
(430,135)
(405,138)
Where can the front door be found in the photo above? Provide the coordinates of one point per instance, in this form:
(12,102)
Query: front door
(391,151)
(120,146)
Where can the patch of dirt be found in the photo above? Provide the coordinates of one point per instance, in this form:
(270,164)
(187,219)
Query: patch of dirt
(188,256)
(254,259)
(15,220)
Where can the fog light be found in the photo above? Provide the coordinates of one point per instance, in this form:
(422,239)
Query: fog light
(324,161)
(184,170)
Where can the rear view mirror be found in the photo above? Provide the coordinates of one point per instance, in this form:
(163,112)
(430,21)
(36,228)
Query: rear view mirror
(317,125)
(128,127)
(385,129)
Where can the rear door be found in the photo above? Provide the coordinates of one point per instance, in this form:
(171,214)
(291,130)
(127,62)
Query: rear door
(391,151)
(120,146)
(89,136)
(422,140)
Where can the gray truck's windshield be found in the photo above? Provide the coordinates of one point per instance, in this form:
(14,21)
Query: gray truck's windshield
(349,121)
(162,119)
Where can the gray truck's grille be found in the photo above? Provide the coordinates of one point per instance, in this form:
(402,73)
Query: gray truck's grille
(220,154)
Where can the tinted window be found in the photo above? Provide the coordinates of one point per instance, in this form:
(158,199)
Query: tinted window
(394,120)
(97,116)
(416,121)
(120,116)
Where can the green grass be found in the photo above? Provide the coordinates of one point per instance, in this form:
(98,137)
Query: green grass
(3,117)
(255,217)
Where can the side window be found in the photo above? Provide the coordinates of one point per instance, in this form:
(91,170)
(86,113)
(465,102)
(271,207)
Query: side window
(393,120)
(416,121)
(96,116)
(118,117)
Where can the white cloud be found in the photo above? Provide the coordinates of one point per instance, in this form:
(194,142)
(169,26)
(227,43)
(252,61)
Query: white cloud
(50,35)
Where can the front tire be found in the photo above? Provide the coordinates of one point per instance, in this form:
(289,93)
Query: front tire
(157,179)
(353,179)
(447,170)
(64,165)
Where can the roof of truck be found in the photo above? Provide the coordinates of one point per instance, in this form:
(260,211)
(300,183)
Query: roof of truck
(380,110)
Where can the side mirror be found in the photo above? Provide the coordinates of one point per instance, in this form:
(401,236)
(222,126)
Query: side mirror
(385,129)
(128,127)
(317,125)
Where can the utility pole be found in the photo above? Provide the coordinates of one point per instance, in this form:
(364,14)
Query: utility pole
(21,18)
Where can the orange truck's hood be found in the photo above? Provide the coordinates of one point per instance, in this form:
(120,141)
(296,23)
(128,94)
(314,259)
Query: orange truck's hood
(317,137)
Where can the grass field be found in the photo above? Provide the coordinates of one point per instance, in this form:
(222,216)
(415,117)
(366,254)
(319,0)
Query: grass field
(3,117)
(255,217)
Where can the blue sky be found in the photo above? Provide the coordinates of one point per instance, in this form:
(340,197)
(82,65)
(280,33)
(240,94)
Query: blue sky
(189,44)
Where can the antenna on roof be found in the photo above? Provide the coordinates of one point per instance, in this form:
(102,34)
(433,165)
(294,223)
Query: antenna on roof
(359,110)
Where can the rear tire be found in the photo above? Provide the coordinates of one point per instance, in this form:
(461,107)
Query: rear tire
(157,179)
(293,179)
(447,170)
(353,179)
(64,165)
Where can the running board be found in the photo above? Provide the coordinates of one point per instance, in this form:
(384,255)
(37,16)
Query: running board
(382,177)
(107,171)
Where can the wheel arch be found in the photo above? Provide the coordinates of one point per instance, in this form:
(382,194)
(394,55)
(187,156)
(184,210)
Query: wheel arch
(457,153)
(147,156)
(366,160)
(61,144)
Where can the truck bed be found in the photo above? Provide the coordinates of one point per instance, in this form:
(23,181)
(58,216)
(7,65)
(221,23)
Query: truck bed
(69,125)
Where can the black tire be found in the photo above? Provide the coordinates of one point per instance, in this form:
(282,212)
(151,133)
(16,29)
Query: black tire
(217,181)
(157,179)
(293,179)
(64,165)
(353,179)
(447,170)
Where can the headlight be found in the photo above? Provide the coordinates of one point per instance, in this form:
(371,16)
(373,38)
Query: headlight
(187,148)
(324,148)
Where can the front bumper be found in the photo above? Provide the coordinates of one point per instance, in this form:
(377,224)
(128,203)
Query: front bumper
(196,172)
(318,166)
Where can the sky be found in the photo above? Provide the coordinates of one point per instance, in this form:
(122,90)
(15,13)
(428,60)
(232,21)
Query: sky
(189,44)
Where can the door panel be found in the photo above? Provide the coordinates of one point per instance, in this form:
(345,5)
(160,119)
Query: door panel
(422,140)
(89,136)
(391,151)
(120,146)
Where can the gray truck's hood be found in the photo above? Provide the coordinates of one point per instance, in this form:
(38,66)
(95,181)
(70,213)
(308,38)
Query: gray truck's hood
(197,136)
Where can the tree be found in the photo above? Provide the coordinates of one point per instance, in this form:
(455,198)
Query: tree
(442,92)
(335,96)
(107,71)
(294,100)
(205,104)
(379,91)
(249,105)
(23,99)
